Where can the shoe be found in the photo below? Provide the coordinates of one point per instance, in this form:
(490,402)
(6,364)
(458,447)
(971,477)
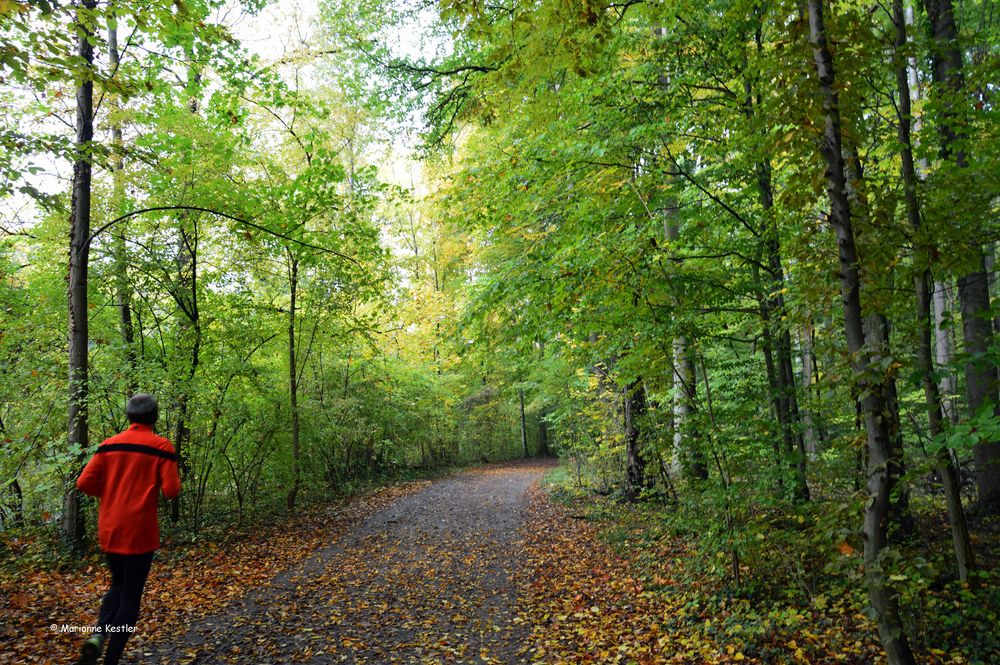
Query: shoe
(91,650)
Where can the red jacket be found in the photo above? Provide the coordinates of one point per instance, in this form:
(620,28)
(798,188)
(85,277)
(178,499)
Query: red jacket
(127,473)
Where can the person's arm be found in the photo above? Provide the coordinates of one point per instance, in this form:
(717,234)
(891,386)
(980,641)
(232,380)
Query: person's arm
(91,481)
(170,479)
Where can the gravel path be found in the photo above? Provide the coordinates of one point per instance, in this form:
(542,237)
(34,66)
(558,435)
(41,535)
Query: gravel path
(429,579)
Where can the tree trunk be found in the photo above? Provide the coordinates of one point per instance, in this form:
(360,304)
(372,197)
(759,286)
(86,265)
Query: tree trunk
(78,437)
(767,347)
(890,625)
(524,425)
(543,434)
(293,383)
(187,300)
(789,418)
(876,330)
(786,373)
(980,382)
(944,350)
(973,288)
(944,345)
(689,459)
(810,435)
(635,407)
(780,373)
(123,294)
(922,286)
(186,297)
(771,299)
(778,411)
(901,518)
(17,510)
(688,455)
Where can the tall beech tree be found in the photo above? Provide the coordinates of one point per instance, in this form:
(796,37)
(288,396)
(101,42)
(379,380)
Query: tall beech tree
(863,360)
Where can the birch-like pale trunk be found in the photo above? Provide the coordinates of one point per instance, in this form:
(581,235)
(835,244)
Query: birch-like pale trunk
(944,349)
(810,434)
(689,459)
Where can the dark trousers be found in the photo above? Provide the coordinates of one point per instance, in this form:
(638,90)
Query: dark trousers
(120,607)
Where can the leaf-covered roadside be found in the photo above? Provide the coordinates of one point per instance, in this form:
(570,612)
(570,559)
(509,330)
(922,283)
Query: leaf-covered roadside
(186,583)
(610,583)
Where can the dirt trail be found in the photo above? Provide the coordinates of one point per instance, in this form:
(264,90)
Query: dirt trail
(429,579)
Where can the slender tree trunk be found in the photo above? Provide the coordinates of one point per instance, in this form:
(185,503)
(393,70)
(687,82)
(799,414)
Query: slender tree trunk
(123,294)
(778,362)
(901,521)
(668,482)
(980,382)
(771,304)
(787,372)
(688,454)
(187,300)
(922,286)
(543,434)
(293,384)
(17,510)
(944,350)
(890,625)
(944,344)
(635,407)
(973,288)
(78,437)
(777,408)
(810,435)
(190,327)
(788,400)
(524,425)
(689,459)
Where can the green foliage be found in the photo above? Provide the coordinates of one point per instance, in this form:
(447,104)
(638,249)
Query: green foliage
(644,196)
(231,176)
(613,198)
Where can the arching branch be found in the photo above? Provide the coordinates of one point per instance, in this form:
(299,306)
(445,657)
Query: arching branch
(244,222)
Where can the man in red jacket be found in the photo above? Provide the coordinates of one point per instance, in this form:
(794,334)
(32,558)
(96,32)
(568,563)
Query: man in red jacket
(127,474)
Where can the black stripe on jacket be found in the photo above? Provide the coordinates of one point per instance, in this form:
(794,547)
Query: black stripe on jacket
(137,448)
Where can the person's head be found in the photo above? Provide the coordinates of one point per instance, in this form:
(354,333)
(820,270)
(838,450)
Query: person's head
(142,408)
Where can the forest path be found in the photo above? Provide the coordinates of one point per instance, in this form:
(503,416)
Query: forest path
(430,578)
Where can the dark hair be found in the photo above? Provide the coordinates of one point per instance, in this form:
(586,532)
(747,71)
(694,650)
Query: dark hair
(142,409)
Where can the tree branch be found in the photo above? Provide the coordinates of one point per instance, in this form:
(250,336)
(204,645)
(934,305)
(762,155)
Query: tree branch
(244,222)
